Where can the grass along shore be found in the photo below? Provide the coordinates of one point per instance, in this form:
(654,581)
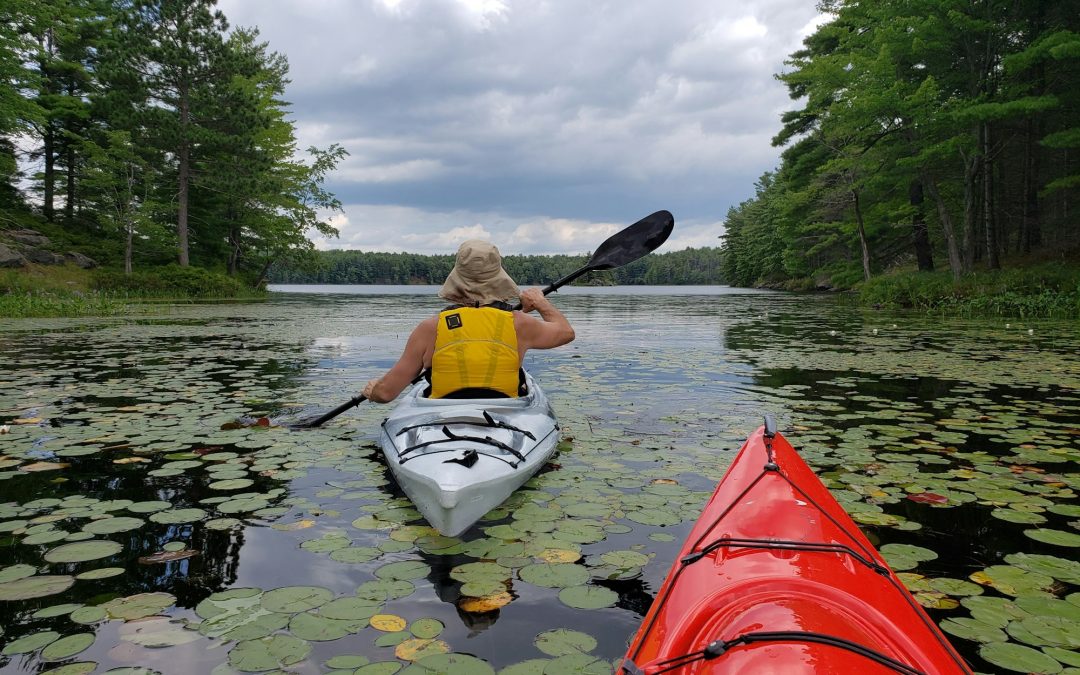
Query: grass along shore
(69,291)
(1044,291)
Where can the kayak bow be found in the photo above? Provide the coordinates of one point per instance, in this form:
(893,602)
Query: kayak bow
(775,577)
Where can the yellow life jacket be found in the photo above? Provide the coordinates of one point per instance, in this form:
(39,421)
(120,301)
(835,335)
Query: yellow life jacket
(475,348)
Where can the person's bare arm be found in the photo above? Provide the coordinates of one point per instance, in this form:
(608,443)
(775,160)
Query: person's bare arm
(552,331)
(408,366)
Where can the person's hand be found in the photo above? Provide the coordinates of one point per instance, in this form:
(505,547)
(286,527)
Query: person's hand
(531,298)
(369,388)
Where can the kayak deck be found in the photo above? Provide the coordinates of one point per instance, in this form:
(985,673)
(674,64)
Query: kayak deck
(776,578)
(457,459)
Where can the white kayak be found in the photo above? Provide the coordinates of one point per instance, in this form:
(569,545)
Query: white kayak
(457,459)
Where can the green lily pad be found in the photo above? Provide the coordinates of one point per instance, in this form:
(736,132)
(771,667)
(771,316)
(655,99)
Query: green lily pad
(35,587)
(385,589)
(82,551)
(588,597)
(67,646)
(404,570)
(113,525)
(15,572)
(379,668)
(351,608)
(554,575)
(1018,658)
(268,653)
(232,484)
(293,599)
(347,662)
(426,628)
(1059,568)
(30,643)
(318,628)
(972,629)
(625,559)
(56,610)
(1055,537)
(449,664)
(99,573)
(139,605)
(355,554)
(564,641)
(89,615)
(178,516)
(149,507)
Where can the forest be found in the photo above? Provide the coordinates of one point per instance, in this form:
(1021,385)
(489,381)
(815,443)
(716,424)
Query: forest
(686,267)
(928,135)
(148,133)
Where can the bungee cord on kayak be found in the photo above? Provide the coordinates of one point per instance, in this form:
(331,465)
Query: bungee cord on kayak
(720,647)
(819,600)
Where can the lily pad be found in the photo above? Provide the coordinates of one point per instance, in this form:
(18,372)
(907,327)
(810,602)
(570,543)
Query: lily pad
(268,653)
(1055,537)
(15,572)
(554,575)
(100,573)
(35,587)
(564,641)
(30,643)
(404,570)
(67,646)
(1018,658)
(113,525)
(82,551)
(416,649)
(449,664)
(293,599)
(588,597)
(139,605)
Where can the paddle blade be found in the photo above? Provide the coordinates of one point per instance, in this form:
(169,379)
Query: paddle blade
(636,241)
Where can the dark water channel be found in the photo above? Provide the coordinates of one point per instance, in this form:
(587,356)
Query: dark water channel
(137,536)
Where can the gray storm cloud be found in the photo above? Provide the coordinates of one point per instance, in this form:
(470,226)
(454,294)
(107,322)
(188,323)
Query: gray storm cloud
(538,124)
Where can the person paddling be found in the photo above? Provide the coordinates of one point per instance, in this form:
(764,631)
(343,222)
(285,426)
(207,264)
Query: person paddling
(475,347)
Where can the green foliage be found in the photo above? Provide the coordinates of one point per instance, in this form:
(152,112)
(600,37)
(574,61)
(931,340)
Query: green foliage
(1044,291)
(925,127)
(690,266)
(172,281)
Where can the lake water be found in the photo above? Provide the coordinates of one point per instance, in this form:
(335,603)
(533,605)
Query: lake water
(122,498)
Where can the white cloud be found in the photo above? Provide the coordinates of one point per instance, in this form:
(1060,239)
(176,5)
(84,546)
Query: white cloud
(539,122)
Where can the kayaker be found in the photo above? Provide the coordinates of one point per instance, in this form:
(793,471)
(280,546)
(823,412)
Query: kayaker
(475,347)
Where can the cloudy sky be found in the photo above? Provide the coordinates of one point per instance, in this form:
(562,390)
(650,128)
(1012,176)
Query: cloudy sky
(542,125)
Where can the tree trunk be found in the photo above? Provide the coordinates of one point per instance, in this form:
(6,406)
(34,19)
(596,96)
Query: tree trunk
(234,251)
(1030,233)
(924,254)
(69,196)
(947,227)
(972,165)
(262,274)
(862,236)
(989,224)
(184,169)
(128,245)
(48,152)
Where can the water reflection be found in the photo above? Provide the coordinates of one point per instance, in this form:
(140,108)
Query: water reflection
(656,387)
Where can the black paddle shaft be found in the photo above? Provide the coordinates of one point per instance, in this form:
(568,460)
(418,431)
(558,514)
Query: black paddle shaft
(621,248)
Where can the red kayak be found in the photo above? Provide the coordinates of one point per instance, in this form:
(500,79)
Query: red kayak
(776,578)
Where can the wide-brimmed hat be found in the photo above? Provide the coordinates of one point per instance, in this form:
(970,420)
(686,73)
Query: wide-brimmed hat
(478,276)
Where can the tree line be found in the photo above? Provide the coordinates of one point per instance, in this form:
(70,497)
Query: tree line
(155,134)
(686,267)
(931,134)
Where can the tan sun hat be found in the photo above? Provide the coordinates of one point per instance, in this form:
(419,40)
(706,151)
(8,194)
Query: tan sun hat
(478,276)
